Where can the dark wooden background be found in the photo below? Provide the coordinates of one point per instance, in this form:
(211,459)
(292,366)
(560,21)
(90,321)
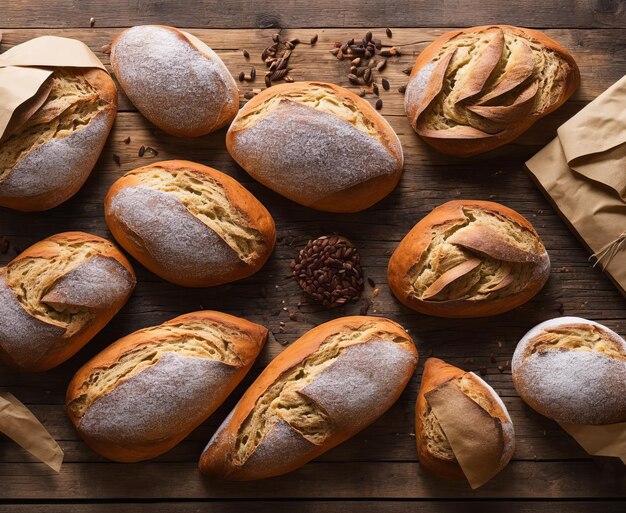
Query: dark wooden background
(377,470)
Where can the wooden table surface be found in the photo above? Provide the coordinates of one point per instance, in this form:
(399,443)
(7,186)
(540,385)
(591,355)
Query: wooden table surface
(377,470)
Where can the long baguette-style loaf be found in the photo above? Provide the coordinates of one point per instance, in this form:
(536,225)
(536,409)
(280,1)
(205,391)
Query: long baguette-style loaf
(328,385)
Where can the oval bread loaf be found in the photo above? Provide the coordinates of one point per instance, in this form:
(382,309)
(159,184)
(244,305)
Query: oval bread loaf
(572,370)
(146,392)
(56,295)
(48,154)
(469,409)
(174,79)
(190,224)
(317,144)
(475,89)
(468,259)
(328,385)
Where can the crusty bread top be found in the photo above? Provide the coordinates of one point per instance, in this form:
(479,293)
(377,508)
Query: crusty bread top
(309,140)
(468,250)
(481,81)
(186,359)
(572,370)
(77,100)
(174,79)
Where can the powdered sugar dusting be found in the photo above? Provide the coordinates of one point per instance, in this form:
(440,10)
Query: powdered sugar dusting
(359,386)
(579,387)
(175,239)
(174,85)
(295,148)
(160,402)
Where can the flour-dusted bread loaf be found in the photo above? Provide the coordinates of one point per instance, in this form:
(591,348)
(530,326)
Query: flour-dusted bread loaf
(468,258)
(328,385)
(47,155)
(317,144)
(190,224)
(572,370)
(175,80)
(471,412)
(473,90)
(146,392)
(56,295)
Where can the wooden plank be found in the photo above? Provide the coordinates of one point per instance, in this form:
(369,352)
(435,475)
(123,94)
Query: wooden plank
(323,13)
(521,479)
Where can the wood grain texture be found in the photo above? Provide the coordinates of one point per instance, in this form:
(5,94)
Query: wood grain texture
(377,469)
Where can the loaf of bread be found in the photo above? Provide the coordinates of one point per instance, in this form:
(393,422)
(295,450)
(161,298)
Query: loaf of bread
(317,144)
(146,392)
(175,80)
(458,410)
(47,153)
(572,370)
(473,90)
(468,259)
(56,295)
(328,385)
(190,224)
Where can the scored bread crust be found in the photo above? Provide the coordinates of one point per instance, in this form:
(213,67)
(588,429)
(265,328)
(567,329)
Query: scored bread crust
(240,199)
(54,171)
(436,373)
(474,142)
(351,198)
(228,105)
(62,343)
(578,385)
(246,346)
(412,247)
(218,457)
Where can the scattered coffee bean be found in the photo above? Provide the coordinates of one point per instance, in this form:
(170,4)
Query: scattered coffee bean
(242,76)
(117,160)
(246,54)
(314,39)
(388,32)
(379,104)
(385,84)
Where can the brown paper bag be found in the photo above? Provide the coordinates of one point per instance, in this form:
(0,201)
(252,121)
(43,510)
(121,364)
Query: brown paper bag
(18,423)
(25,68)
(607,440)
(583,174)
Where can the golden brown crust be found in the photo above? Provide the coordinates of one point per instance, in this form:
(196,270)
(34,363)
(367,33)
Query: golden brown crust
(467,141)
(481,241)
(74,336)
(217,459)
(351,198)
(254,214)
(246,346)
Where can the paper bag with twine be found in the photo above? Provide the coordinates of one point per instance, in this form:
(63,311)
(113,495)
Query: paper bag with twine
(475,436)
(583,174)
(24,70)
(18,423)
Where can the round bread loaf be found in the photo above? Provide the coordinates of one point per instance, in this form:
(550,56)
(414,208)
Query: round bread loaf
(475,411)
(146,392)
(190,224)
(317,144)
(572,370)
(468,258)
(475,89)
(56,295)
(174,79)
(324,388)
(47,155)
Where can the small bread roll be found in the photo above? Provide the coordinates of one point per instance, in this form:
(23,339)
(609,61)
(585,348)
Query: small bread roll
(190,224)
(174,79)
(57,295)
(327,386)
(572,370)
(317,144)
(146,392)
(475,89)
(468,258)
(471,411)
(47,155)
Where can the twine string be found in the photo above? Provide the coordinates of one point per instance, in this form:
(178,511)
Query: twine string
(607,252)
